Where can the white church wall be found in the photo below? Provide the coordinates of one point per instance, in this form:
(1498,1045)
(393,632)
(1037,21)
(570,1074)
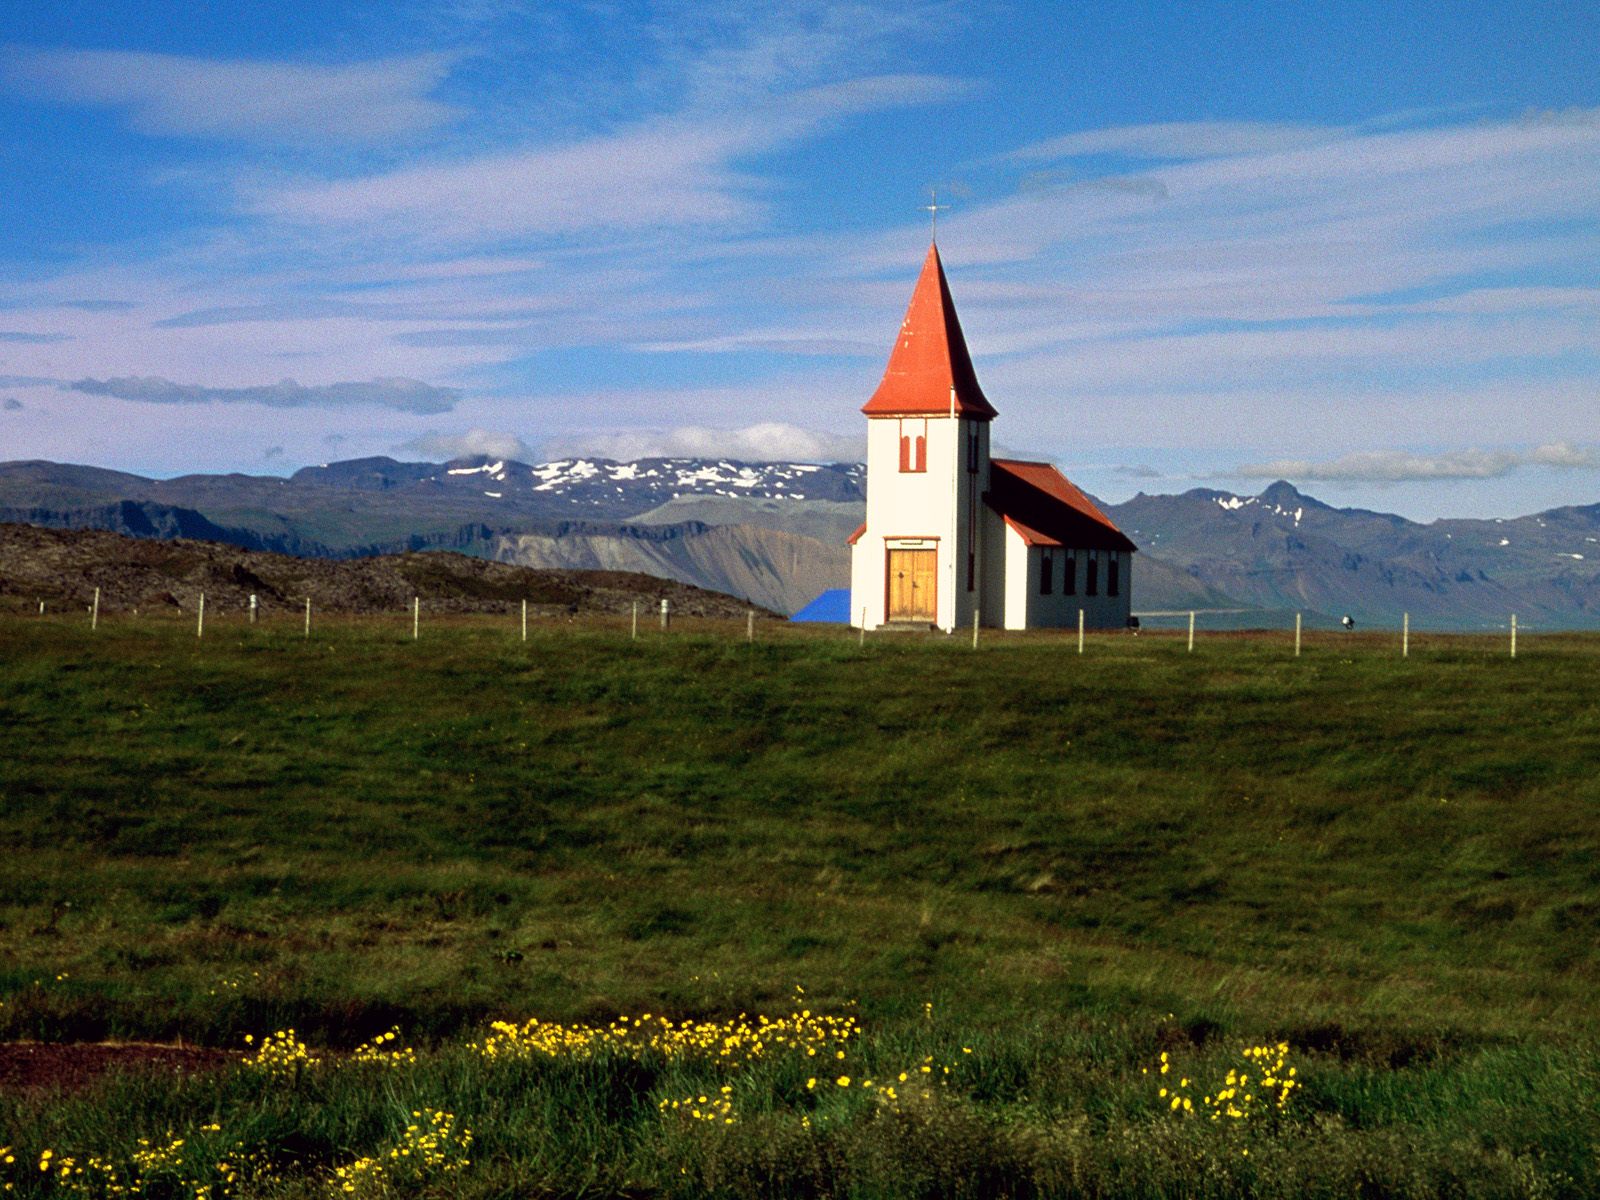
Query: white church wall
(1058,609)
(1021,571)
(910,504)
(866,576)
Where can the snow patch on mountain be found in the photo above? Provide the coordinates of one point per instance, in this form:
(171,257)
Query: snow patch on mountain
(1235,503)
(653,481)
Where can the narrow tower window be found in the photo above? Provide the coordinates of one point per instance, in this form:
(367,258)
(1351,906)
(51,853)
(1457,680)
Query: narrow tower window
(1112,563)
(972,450)
(1069,582)
(1092,584)
(913,452)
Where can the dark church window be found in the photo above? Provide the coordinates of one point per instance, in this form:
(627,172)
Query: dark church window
(972,570)
(1069,584)
(1112,572)
(1092,584)
(972,451)
(1047,572)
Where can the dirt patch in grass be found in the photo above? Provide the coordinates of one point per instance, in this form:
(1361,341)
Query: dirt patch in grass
(74,1066)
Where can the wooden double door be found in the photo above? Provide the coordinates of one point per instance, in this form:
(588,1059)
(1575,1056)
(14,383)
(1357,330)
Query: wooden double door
(913,585)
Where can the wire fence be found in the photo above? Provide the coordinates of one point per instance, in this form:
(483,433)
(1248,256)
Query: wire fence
(1192,627)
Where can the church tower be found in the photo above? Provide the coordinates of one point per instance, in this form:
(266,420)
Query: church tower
(951,532)
(917,557)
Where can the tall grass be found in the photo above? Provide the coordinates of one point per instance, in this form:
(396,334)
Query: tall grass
(1078,861)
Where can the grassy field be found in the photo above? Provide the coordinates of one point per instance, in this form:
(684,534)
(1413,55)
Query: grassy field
(1037,869)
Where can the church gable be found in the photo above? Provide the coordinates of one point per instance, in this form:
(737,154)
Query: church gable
(1047,509)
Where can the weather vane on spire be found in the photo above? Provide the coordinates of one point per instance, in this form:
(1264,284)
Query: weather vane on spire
(932,208)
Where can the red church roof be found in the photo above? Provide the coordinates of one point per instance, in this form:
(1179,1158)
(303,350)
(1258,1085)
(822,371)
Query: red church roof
(1044,506)
(930,372)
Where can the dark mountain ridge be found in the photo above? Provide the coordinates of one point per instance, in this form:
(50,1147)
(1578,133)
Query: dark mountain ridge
(773,533)
(1283,550)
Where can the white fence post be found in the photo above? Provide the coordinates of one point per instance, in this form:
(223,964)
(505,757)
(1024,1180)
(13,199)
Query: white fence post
(636,620)
(863,639)
(974,629)
(1080,631)
(1405,636)
(1297,635)
(524,620)
(252,608)
(750,625)
(416,617)
(1191,631)
(94,611)
(666,613)
(200,619)
(1513,635)
(308,616)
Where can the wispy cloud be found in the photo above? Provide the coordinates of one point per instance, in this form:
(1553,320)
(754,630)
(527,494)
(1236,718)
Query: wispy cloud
(472,443)
(1181,140)
(95,306)
(624,232)
(175,95)
(767,442)
(406,395)
(33,339)
(661,174)
(1395,466)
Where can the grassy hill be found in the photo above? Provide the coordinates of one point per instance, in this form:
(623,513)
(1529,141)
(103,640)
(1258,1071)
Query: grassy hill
(1079,863)
(64,568)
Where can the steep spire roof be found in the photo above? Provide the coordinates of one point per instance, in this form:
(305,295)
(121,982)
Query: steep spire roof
(930,372)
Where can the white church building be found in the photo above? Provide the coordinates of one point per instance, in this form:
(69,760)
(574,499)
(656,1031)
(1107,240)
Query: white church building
(950,531)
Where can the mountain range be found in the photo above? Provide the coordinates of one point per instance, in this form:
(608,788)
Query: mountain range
(774,533)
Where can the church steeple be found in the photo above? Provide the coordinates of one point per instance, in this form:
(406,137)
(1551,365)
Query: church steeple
(930,372)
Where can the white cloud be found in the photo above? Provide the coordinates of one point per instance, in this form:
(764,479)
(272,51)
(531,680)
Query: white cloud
(214,98)
(1564,454)
(1181,139)
(768,442)
(1395,466)
(406,395)
(666,173)
(471,444)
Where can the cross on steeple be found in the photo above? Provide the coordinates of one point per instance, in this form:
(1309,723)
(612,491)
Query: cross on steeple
(933,208)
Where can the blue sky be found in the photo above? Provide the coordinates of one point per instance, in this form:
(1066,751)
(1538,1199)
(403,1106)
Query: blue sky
(1355,245)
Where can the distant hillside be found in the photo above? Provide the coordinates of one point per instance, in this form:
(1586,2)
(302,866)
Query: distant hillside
(1283,550)
(781,571)
(774,533)
(573,513)
(63,568)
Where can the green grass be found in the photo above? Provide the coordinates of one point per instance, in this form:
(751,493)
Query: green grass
(1393,865)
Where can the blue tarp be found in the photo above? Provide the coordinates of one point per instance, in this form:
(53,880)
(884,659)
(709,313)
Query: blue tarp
(832,606)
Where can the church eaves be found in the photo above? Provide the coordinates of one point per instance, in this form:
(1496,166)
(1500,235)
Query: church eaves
(930,371)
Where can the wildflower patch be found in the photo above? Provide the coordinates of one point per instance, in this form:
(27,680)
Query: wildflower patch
(1263,1081)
